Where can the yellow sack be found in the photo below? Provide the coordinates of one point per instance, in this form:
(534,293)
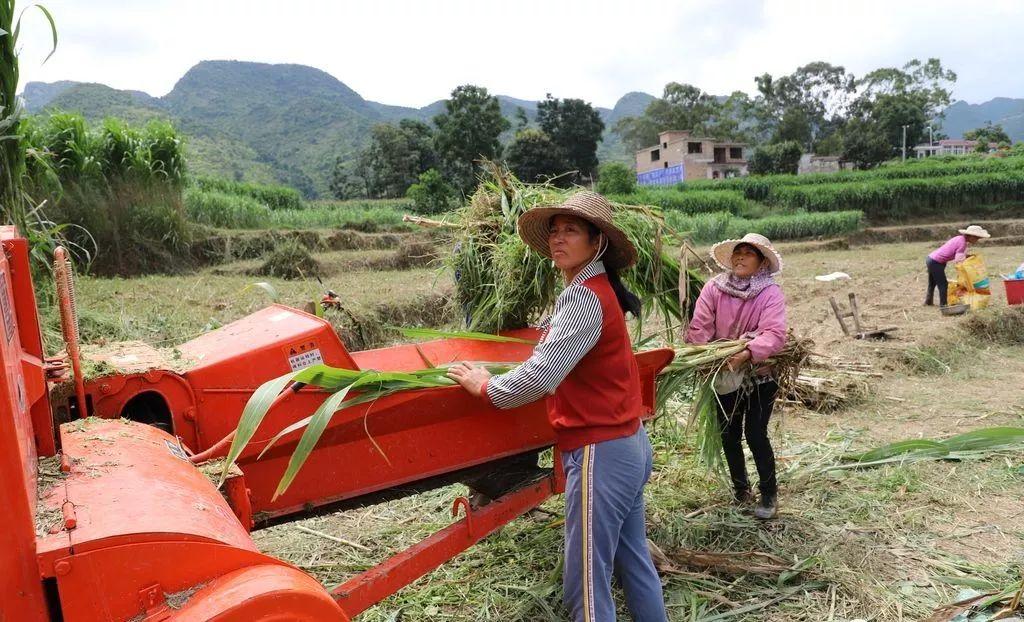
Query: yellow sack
(972,284)
(975,272)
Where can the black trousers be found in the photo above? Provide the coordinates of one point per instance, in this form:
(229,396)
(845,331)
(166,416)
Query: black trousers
(753,410)
(936,279)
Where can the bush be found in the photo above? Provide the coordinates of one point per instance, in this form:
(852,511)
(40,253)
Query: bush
(882,199)
(779,158)
(432,194)
(723,225)
(290,260)
(220,209)
(274,197)
(692,202)
(615,178)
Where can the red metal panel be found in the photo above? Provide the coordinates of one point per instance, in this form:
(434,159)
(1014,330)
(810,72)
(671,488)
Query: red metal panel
(261,594)
(24,297)
(376,584)
(130,482)
(111,584)
(21,591)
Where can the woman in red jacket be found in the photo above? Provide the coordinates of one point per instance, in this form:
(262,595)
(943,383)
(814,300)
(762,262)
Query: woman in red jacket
(585,360)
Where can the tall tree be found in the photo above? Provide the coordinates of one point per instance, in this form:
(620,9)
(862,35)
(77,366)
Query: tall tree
(534,157)
(993,134)
(467,131)
(576,127)
(892,101)
(804,105)
(681,107)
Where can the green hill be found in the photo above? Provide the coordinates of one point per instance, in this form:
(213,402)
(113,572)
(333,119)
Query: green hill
(271,123)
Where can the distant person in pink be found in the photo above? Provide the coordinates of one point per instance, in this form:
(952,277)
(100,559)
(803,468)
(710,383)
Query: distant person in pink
(746,303)
(955,250)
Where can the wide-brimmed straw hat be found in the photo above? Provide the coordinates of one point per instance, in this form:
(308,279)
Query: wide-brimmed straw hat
(722,252)
(975,230)
(533,227)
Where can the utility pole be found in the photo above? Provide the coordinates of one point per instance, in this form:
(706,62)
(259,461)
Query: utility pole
(931,137)
(905,143)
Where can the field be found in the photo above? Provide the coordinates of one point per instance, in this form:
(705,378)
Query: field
(889,543)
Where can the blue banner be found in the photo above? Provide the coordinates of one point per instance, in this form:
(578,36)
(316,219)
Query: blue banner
(662,176)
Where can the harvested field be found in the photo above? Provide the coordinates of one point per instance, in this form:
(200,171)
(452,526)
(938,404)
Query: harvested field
(887,543)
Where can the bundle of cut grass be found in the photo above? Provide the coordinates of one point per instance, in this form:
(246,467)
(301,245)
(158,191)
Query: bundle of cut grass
(290,260)
(1000,325)
(691,377)
(502,284)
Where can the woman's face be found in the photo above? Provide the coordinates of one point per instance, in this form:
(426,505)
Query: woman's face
(745,261)
(570,243)
(971,239)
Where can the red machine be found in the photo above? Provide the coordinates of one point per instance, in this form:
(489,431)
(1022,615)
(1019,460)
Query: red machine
(131,528)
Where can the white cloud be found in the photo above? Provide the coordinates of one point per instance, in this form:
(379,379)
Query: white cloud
(414,52)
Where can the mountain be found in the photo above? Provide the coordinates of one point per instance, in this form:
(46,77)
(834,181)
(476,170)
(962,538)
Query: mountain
(283,123)
(961,117)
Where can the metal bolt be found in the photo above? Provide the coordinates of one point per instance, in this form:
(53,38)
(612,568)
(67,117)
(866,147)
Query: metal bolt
(104,388)
(62,568)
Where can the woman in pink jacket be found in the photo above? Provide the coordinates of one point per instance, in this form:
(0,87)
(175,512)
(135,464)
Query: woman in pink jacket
(745,302)
(955,250)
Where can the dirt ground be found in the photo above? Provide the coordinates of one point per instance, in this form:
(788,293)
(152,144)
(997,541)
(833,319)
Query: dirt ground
(891,543)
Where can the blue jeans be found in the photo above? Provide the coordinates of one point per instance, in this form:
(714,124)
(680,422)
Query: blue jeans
(605,533)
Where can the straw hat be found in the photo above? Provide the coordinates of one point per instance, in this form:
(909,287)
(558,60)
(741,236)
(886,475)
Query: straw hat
(976,231)
(534,224)
(722,252)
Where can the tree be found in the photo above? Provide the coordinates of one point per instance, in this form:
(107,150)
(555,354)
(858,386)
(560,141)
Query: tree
(681,107)
(988,133)
(576,127)
(431,194)
(534,157)
(776,159)
(864,144)
(616,178)
(890,100)
(467,131)
(805,105)
(346,181)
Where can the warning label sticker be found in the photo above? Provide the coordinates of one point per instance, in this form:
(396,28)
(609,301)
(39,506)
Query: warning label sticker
(302,355)
(5,307)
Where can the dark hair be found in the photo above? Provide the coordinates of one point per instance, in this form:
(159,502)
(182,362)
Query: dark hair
(628,301)
(756,250)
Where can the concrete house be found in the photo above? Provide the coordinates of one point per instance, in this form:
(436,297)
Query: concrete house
(945,147)
(679,156)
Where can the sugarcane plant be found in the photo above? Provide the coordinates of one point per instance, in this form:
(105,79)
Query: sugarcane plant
(17,207)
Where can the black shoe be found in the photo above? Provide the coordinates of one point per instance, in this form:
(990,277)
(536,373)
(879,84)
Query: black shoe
(929,303)
(768,507)
(744,497)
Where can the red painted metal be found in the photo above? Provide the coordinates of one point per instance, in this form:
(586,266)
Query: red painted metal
(261,594)
(32,356)
(376,584)
(139,521)
(21,592)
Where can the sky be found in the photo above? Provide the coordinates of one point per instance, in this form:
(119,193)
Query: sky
(412,53)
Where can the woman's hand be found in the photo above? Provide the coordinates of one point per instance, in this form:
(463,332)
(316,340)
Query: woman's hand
(470,376)
(738,360)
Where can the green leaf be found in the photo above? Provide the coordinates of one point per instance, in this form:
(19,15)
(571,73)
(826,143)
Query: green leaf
(986,438)
(420,333)
(901,448)
(252,415)
(267,287)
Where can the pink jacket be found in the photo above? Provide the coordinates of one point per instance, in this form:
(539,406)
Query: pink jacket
(763,318)
(955,249)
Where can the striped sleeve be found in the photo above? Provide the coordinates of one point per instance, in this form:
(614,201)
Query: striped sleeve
(575,328)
